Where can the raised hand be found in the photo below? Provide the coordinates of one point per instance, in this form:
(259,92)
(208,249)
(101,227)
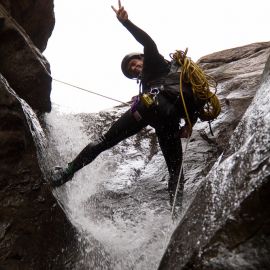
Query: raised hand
(121,13)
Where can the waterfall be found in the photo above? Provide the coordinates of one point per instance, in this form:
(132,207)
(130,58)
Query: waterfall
(35,128)
(121,222)
(119,201)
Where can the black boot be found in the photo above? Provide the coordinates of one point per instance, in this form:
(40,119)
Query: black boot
(61,175)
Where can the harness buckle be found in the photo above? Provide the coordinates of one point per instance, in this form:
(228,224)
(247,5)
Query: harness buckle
(147,100)
(150,98)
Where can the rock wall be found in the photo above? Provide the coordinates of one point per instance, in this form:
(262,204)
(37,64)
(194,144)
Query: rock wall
(35,16)
(34,231)
(23,65)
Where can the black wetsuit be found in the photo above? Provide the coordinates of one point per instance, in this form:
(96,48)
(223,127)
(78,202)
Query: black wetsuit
(164,116)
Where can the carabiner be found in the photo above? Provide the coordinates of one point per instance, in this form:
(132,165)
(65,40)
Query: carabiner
(154,91)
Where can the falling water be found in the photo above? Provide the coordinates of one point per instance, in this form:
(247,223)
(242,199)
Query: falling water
(119,201)
(34,127)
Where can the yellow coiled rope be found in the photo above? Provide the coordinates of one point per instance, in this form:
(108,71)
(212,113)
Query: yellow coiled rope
(201,84)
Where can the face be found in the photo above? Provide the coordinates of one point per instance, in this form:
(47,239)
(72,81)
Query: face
(135,67)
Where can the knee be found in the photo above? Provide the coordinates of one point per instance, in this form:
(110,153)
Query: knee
(98,145)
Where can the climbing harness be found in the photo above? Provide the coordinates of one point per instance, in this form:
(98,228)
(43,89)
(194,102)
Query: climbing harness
(92,92)
(201,84)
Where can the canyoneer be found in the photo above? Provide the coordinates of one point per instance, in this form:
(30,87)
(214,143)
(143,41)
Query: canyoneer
(165,98)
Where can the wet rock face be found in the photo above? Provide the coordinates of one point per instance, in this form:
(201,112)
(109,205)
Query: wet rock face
(238,73)
(34,231)
(22,64)
(226,225)
(28,14)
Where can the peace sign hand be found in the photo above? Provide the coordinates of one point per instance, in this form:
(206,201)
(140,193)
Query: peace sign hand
(121,13)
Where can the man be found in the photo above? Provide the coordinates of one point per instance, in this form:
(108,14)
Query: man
(159,105)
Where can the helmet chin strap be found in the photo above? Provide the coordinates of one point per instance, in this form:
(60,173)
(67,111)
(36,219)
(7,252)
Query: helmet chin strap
(139,81)
(139,77)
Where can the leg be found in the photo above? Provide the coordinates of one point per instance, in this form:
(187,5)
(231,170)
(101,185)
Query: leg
(123,128)
(171,148)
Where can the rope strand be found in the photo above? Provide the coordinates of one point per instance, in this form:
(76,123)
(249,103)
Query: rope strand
(92,92)
(201,84)
(178,182)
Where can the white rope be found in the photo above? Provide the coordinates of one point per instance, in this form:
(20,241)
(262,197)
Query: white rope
(92,92)
(179,179)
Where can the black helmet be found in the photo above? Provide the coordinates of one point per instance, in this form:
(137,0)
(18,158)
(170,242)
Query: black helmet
(126,60)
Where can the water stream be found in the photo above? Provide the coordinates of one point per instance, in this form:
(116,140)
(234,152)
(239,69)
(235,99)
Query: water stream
(119,201)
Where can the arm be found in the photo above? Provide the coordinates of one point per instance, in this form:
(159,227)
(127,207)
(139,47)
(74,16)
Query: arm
(142,37)
(154,64)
